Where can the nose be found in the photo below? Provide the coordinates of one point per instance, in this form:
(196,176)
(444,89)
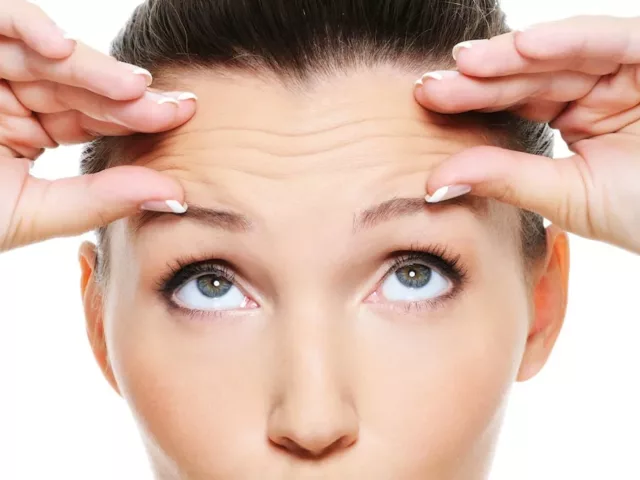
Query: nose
(313,416)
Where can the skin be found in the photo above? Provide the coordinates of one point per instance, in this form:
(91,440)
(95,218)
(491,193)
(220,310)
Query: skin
(580,74)
(317,378)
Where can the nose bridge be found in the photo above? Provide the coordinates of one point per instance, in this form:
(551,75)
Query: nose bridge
(313,411)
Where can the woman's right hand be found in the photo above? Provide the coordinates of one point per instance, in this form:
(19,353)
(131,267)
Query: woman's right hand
(54,90)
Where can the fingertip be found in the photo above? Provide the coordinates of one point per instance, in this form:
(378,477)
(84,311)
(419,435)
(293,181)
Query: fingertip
(170,109)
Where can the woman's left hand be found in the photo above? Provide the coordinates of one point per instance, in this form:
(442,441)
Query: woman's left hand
(581,75)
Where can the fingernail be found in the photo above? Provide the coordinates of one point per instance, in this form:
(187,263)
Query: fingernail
(546,223)
(144,72)
(161,99)
(458,47)
(447,193)
(180,96)
(168,206)
(465,45)
(437,75)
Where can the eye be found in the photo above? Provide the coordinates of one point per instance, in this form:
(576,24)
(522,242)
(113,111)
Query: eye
(210,292)
(412,283)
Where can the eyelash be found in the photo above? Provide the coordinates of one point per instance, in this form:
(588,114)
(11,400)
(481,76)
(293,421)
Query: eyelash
(181,270)
(438,257)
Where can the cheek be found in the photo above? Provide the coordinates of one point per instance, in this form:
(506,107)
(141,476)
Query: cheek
(436,388)
(196,391)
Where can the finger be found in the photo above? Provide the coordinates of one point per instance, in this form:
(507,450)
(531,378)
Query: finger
(542,111)
(604,38)
(555,188)
(24,135)
(612,105)
(29,23)
(153,112)
(9,104)
(501,56)
(72,127)
(72,206)
(452,92)
(9,152)
(85,68)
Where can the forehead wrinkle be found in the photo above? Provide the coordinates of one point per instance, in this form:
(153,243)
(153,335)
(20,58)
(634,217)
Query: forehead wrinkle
(441,134)
(287,150)
(189,129)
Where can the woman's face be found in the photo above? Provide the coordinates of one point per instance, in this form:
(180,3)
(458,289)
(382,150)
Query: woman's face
(311,316)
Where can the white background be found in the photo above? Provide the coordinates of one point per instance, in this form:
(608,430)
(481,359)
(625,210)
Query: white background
(579,419)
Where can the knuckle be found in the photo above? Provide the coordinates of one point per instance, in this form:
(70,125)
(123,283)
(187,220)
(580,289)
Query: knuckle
(505,192)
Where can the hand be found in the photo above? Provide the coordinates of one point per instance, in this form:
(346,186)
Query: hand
(54,90)
(581,75)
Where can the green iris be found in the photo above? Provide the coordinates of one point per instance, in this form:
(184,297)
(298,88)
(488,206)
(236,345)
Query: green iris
(213,286)
(414,276)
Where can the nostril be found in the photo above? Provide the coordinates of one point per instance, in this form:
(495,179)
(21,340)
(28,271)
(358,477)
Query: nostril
(314,449)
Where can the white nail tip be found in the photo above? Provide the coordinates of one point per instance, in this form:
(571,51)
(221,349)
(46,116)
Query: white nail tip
(434,75)
(187,96)
(460,46)
(146,73)
(164,100)
(176,207)
(447,193)
(439,75)
(69,36)
(438,196)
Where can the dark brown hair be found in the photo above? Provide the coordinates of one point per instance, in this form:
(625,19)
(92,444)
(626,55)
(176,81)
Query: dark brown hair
(296,40)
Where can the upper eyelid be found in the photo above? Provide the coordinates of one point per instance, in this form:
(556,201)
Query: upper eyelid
(170,283)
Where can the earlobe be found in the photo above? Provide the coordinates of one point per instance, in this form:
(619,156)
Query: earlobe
(92,298)
(550,304)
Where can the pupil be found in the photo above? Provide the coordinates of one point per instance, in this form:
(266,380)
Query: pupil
(414,276)
(213,287)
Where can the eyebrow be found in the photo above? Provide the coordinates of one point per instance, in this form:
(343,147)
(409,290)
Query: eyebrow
(210,217)
(403,207)
(367,219)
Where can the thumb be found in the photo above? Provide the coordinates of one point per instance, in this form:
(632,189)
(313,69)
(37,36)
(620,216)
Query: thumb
(73,206)
(554,188)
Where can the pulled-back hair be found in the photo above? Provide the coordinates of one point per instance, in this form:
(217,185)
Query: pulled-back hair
(293,41)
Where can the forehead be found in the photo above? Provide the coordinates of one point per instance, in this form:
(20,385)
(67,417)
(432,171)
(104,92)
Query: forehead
(330,148)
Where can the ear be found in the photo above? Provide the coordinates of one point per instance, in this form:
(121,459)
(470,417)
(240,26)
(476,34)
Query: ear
(92,298)
(550,304)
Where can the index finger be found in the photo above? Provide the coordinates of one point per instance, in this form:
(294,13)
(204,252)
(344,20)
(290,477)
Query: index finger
(27,22)
(593,37)
(501,56)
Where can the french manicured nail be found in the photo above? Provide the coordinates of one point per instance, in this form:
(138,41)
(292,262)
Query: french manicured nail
(160,98)
(180,96)
(459,47)
(447,193)
(145,73)
(168,206)
(465,45)
(69,36)
(437,75)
